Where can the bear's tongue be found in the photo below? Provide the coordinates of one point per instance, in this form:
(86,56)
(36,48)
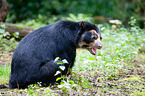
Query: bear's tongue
(94,51)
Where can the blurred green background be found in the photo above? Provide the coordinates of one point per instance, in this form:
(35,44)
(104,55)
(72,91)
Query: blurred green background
(99,10)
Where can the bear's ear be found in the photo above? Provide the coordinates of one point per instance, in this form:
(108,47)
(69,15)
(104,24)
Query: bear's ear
(82,25)
(80,32)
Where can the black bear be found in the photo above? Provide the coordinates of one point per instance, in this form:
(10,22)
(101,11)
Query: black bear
(33,58)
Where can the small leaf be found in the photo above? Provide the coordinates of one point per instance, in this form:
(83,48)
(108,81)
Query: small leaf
(56,59)
(16,34)
(98,57)
(62,67)
(71,82)
(57,79)
(134,52)
(123,44)
(65,61)
(91,58)
(59,63)
(60,86)
(57,72)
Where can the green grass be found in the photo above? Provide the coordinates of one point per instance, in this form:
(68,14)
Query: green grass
(117,69)
(4,74)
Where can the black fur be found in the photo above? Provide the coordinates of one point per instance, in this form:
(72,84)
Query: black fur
(33,59)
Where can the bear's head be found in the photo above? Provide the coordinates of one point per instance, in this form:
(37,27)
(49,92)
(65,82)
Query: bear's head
(89,37)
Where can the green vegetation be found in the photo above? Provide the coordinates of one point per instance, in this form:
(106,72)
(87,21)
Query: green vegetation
(7,42)
(43,20)
(4,74)
(118,9)
(117,69)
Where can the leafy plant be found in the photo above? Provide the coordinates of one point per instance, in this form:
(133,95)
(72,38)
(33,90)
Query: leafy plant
(7,42)
(118,9)
(61,65)
(80,17)
(133,24)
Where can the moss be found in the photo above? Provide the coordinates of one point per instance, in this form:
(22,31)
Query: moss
(20,27)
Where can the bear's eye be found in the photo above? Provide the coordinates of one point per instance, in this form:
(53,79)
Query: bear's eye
(93,37)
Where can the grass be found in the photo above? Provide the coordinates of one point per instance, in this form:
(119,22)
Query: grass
(117,69)
(4,74)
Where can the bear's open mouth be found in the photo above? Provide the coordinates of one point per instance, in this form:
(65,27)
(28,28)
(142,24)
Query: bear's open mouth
(93,51)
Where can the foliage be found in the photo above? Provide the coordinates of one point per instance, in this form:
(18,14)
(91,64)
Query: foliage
(118,9)
(43,20)
(134,27)
(7,42)
(79,17)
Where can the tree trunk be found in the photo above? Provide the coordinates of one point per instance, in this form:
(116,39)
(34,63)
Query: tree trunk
(23,30)
(3,10)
